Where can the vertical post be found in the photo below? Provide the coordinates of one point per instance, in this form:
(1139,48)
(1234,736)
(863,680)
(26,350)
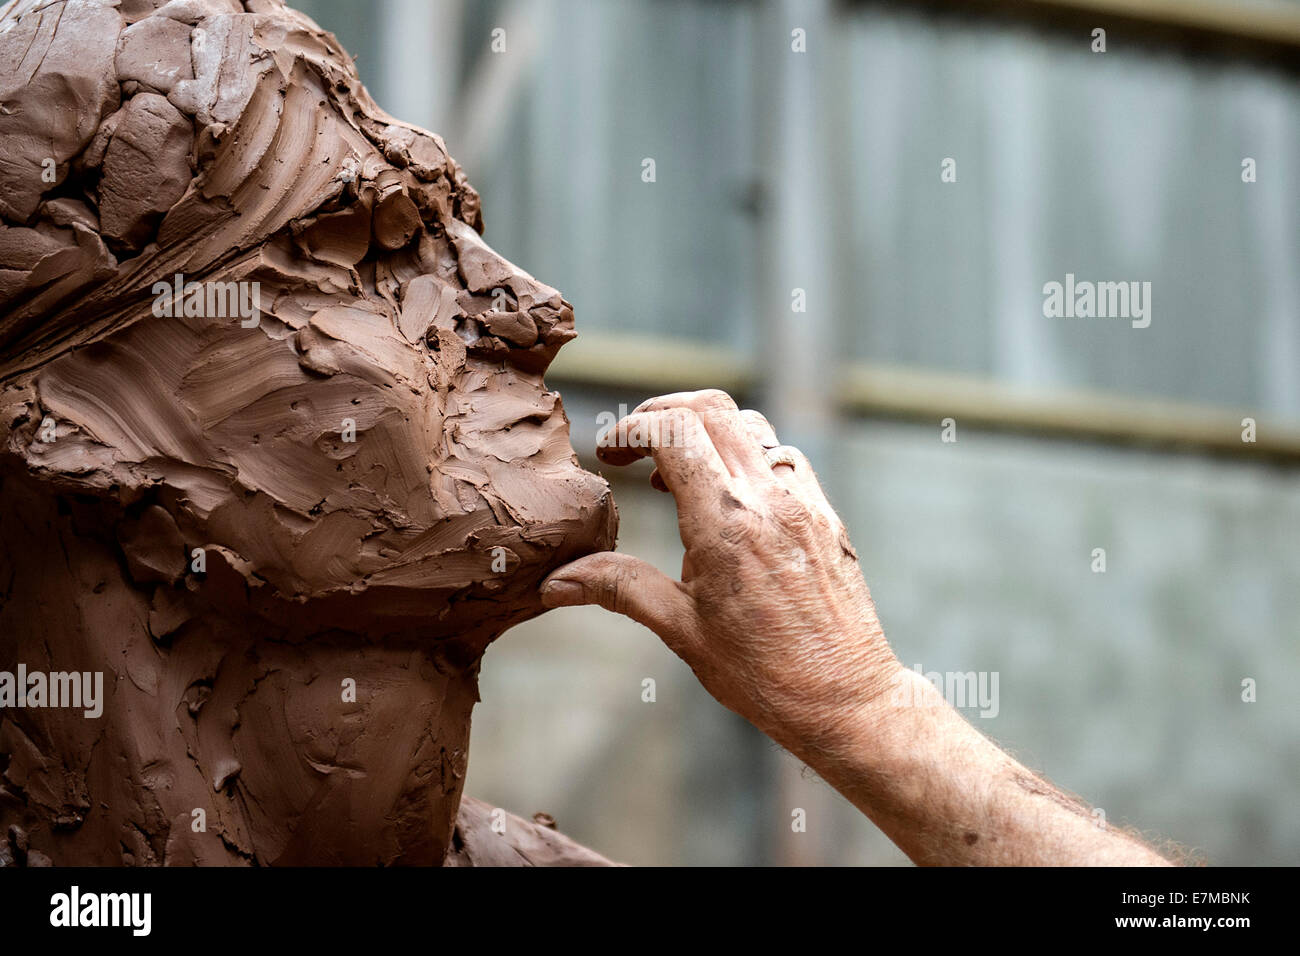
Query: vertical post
(796,351)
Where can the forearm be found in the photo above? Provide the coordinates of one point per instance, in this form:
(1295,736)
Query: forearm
(947,795)
(774,617)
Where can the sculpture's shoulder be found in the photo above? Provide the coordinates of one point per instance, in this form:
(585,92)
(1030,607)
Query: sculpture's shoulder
(476,842)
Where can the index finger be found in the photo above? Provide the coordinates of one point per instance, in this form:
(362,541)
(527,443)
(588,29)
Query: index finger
(677,440)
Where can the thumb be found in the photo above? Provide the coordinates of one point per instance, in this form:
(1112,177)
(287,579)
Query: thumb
(625,585)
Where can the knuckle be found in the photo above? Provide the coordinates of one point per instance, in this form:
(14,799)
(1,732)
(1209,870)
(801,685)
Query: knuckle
(739,524)
(614,590)
(714,400)
(652,404)
(680,427)
(687,416)
(791,513)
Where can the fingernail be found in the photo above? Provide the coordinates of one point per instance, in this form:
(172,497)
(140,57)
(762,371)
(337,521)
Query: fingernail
(560,593)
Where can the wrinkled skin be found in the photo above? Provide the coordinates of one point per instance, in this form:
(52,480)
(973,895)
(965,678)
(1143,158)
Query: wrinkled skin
(771,612)
(774,617)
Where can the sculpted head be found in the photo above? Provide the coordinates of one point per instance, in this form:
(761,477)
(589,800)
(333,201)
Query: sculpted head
(253,313)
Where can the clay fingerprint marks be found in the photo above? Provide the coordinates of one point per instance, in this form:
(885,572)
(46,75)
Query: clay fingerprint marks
(206,826)
(275,154)
(396,218)
(58,693)
(146,169)
(363,347)
(121,395)
(227,65)
(57,82)
(155,52)
(422,153)
(429,304)
(41,267)
(360,730)
(269,148)
(360,342)
(340,238)
(231,372)
(518,319)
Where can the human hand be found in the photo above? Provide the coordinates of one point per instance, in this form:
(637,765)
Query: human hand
(772,612)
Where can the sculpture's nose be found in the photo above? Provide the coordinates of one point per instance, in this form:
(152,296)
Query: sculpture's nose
(497,310)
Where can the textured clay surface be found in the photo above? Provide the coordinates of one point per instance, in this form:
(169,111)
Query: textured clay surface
(276,455)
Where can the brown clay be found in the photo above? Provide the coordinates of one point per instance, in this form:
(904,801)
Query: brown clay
(276,455)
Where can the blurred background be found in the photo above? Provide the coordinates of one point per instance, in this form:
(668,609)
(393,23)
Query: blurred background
(798,150)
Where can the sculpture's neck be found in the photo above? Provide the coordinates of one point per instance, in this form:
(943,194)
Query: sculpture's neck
(207,739)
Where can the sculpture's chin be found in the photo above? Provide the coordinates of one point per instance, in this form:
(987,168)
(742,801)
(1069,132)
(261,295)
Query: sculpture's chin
(466,594)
